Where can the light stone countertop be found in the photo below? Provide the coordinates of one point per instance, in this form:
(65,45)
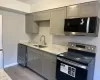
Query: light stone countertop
(54,49)
(3,75)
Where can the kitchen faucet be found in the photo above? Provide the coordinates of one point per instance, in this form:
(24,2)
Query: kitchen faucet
(43,38)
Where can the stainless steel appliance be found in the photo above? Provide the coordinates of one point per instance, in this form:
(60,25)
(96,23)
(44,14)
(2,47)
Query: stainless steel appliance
(76,64)
(86,26)
(22,54)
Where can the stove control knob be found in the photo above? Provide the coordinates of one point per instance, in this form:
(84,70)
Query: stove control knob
(89,48)
(72,45)
(92,48)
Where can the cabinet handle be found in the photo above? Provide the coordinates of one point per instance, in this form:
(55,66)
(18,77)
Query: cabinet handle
(72,63)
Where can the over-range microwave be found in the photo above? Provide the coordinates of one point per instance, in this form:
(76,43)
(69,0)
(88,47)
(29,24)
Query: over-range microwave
(84,26)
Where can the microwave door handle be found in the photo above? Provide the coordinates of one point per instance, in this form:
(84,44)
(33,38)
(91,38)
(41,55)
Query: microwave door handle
(87,26)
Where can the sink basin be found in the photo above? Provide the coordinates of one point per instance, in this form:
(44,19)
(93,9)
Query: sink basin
(40,46)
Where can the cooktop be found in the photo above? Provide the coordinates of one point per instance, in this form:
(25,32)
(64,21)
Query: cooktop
(79,57)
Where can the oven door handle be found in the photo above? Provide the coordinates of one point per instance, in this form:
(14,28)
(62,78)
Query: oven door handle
(72,63)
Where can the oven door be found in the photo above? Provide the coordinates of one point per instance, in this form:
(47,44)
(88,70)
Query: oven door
(69,70)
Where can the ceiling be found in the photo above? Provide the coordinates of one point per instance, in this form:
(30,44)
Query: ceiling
(28,1)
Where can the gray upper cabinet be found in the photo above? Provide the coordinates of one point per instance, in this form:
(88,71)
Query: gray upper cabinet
(88,9)
(30,25)
(57,21)
(72,11)
(42,15)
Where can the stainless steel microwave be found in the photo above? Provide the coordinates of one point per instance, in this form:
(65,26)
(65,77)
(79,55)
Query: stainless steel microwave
(86,26)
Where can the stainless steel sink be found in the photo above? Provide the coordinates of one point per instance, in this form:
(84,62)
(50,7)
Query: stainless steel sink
(40,46)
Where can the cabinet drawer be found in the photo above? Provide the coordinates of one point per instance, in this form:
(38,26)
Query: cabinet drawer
(34,50)
(50,56)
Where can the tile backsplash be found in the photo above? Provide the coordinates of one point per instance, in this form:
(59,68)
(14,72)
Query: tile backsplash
(44,29)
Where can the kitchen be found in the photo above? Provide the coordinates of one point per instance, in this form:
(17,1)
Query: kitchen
(60,39)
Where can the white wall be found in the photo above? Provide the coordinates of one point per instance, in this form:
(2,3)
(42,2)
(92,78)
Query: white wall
(16,5)
(40,5)
(13,31)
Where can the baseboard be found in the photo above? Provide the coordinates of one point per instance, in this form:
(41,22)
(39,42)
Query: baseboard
(6,66)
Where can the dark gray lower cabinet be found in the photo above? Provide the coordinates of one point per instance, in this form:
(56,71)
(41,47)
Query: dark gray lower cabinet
(34,60)
(42,62)
(48,69)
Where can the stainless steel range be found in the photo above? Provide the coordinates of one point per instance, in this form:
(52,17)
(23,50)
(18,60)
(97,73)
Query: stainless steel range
(76,64)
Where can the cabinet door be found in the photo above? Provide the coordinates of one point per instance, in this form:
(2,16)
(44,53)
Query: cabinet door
(31,26)
(34,60)
(88,9)
(57,21)
(50,56)
(72,11)
(48,69)
(42,15)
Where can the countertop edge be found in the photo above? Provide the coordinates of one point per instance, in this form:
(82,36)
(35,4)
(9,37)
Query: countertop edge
(41,49)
